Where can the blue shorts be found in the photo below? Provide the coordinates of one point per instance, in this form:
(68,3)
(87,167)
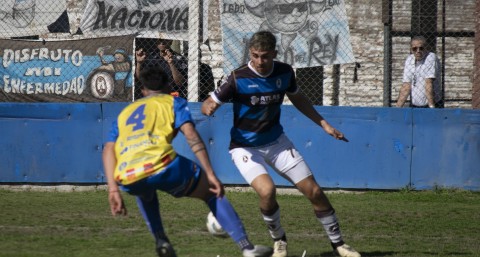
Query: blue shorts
(179,179)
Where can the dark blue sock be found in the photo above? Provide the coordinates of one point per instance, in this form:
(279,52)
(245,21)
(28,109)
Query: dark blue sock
(231,223)
(150,209)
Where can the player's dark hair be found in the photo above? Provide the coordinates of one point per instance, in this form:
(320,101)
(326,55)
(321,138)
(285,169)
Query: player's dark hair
(153,78)
(263,41)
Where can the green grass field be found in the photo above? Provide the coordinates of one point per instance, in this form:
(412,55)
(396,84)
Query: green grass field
(405,223)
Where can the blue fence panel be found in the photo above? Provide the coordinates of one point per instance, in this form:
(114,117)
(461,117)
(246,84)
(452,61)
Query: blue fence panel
(388,148)
(110,112)
(376,156)
(52,143)
(446,149)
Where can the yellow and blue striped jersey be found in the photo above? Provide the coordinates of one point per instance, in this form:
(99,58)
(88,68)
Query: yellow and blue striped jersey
(143,135)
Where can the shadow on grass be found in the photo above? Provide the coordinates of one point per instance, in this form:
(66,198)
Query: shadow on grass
(331,254)
(381,254)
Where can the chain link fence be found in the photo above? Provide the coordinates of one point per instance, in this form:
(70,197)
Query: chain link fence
(344,53)
(448,28)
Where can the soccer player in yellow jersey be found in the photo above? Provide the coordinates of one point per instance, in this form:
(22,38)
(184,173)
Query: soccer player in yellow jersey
(139,159)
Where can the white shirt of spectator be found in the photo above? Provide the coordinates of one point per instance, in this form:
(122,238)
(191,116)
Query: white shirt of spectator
(415,73)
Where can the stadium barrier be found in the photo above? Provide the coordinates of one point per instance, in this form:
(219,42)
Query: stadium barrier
(388,148)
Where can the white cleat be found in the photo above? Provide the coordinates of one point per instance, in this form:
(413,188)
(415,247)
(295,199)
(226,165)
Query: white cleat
(280,249)
(258,251)
(347,251)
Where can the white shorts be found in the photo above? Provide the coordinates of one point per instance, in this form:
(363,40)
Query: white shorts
(280,155)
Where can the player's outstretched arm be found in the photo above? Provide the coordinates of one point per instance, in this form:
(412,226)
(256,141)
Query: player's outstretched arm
(209,106)
(115,199)
(198,148)
(304,106)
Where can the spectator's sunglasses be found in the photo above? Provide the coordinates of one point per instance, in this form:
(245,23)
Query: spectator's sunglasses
(414,49)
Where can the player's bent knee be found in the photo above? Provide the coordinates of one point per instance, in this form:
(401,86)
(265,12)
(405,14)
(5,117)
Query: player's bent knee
(310,189)
(267,194)
(264,187)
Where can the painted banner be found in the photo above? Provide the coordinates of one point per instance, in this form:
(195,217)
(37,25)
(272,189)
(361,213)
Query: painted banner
(309,32)
(89,70)
(20,18)
(146,18)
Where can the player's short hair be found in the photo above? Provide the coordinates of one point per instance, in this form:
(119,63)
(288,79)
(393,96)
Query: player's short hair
(153,78)
(263,41)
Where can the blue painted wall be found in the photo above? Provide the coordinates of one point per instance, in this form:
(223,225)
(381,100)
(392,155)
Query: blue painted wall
(388,148)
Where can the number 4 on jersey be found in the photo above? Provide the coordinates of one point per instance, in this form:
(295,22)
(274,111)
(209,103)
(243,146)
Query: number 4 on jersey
(137,118)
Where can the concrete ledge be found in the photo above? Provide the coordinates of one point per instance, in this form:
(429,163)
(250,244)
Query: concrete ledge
(89,188)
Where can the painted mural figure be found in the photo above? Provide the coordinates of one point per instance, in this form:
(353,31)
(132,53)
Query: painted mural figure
(110,77)
(120,61)
(290,19)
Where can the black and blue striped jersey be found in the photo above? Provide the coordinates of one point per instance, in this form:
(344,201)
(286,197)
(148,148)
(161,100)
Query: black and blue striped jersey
(256,103)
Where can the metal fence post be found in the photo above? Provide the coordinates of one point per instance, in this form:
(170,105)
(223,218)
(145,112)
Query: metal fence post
(194,17)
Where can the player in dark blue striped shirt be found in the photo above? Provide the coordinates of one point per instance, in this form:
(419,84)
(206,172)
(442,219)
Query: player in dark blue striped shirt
(257,90)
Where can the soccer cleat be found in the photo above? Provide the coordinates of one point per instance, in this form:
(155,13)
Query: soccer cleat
(346,251)
(258,251)
(280,249)
(165,249)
